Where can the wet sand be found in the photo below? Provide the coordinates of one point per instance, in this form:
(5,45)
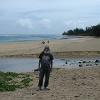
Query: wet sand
(86,46)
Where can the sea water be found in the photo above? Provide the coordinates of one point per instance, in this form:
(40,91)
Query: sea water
(4,38)
(28,37)
(29,64)
(23,64)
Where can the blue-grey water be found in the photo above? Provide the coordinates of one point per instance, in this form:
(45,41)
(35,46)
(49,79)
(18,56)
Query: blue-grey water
(29,64)
(30,37)
(23,64)
(33,37)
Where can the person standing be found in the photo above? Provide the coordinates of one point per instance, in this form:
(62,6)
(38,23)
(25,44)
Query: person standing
(45,67)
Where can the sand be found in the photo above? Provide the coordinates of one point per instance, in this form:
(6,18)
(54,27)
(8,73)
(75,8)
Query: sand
(65,84)
(63,47)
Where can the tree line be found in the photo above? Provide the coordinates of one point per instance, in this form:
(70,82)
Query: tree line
(88,31)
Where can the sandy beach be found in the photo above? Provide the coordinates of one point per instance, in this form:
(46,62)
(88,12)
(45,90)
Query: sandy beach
(65,84)
(49,41)
(85,46)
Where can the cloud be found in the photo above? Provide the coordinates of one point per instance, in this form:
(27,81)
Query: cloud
(47,16)
(26,23)
(71,24)
(46,23)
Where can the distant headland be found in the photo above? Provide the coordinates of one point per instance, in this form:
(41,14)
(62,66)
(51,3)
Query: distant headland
(88,31)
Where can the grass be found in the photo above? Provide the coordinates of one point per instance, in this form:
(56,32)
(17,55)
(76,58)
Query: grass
(26,81)
(10,81)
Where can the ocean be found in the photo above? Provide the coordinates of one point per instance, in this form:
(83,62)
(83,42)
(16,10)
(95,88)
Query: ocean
(33,37)
(30,37)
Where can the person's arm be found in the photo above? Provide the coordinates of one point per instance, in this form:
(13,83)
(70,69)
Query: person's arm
(51,62)
(40,56)
(39,64)
(51,65)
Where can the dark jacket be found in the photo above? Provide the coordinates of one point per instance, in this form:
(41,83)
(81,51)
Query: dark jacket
(48,64)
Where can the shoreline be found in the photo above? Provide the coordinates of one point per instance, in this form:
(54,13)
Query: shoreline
(64,54)
(86,46)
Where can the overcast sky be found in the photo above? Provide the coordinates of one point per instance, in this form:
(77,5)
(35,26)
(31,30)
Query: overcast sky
(47,16)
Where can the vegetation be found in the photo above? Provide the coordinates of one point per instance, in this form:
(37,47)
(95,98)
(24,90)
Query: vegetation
(11,81)
(89,31)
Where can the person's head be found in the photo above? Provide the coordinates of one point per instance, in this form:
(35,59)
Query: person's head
(46,49)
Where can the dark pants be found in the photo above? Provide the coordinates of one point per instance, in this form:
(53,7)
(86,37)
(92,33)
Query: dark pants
(46,73)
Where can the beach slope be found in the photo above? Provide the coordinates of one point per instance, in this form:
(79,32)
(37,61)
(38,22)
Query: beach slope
(65,84)
(64,47)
